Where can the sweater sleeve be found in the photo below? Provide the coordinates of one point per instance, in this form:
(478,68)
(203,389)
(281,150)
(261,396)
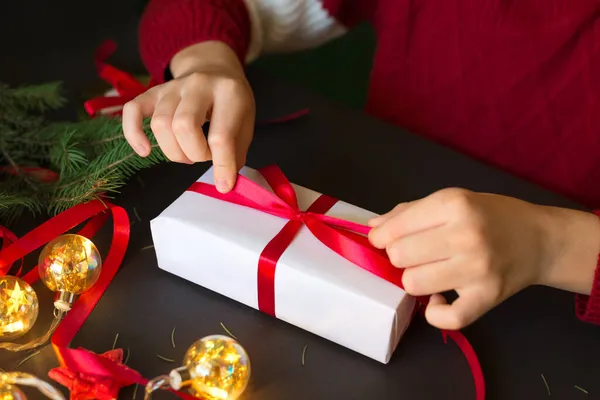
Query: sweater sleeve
(249,27)
(588,307)
(169,26)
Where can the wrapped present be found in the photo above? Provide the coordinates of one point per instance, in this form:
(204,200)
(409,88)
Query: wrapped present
(290,252)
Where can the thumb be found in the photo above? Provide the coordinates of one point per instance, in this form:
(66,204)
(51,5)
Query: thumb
(465,310)
(381,219)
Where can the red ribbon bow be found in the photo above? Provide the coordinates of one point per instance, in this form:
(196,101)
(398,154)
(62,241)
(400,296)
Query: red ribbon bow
(343,237)
(126,86)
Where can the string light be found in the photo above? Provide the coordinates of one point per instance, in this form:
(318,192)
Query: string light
(19,307)
(68,265)
(214,368)
(10,391)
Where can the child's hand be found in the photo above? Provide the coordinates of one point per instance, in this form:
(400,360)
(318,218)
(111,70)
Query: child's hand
(210,85)
(487,248)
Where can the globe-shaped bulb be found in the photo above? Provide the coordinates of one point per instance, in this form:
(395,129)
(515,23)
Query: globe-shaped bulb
(219,368)
(19,307)
(70,264)
(11,392)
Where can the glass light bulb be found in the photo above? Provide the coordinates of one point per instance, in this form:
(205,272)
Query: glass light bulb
(70,264)
(19,307)
(11,392)
(219,368)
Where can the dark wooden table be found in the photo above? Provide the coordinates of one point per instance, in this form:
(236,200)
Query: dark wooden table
(334,151)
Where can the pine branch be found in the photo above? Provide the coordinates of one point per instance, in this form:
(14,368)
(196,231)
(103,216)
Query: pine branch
(14,202)
(65,156)
(104,175)
(17,168)
(37,97)
(92,158)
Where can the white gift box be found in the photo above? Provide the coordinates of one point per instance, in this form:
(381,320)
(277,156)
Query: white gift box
(217,245)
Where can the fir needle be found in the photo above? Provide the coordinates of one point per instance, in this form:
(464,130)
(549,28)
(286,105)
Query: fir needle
(546,383)
(147,247)
(135,391)
(581,389)
(101,200)
(135,211)
(228,331)
(115,341)
(127,357)
(29,357)
(304,353)
(165,358)
(173,337)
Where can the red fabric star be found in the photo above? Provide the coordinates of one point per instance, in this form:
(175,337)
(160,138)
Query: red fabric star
(85,386)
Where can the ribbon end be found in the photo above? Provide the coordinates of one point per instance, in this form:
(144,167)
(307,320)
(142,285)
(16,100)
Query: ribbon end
(445,336)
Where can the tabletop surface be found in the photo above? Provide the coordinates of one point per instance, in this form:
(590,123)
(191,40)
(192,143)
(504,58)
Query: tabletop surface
(335,151)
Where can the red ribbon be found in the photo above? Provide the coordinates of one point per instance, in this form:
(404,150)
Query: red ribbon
(87,386)
(127,87)
(343,237)
(9,237)
(43,175)
(88,367)
(285,118)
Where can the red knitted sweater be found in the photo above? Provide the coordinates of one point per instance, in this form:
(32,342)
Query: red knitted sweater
(515,83)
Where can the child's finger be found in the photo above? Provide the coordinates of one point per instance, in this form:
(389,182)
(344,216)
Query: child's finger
(134,113)
(421,215)
(420,248)
(228,114)
(435,277)
(188,120)
(469,306)
(379,220)
(244,139)
(161,124)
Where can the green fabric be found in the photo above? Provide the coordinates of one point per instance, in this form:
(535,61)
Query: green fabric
(338,71)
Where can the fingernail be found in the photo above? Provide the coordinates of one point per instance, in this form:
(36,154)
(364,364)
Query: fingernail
(223,185)
(373,222)
(140,149)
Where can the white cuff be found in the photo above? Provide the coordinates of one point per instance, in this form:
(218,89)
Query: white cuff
(289,25)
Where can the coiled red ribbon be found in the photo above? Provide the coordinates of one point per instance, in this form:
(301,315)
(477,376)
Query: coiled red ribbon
(125,84)
(92,376)
(343,237)
(128,88)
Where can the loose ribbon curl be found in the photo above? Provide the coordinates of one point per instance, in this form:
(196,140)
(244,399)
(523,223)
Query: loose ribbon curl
(343,237)
(43,175)
(126,86)
(90,375)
